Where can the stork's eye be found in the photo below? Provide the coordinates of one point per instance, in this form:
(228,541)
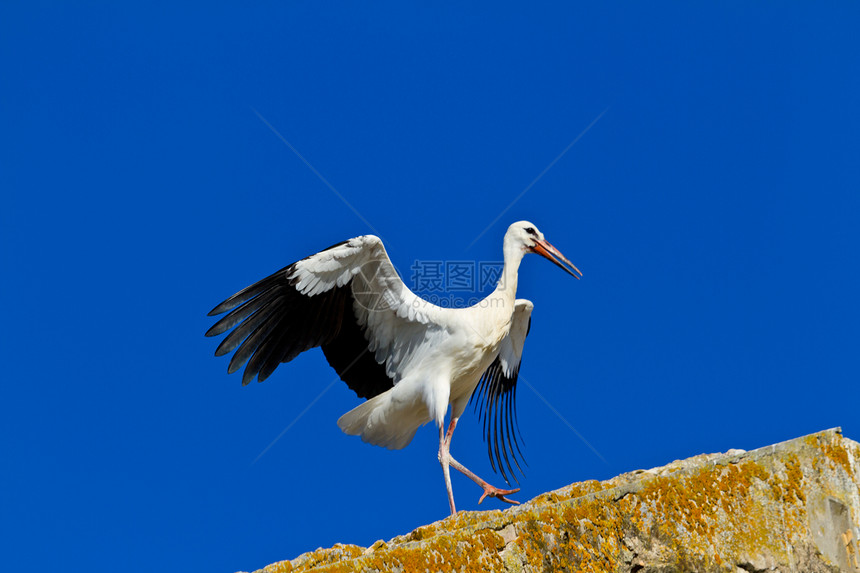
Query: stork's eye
(531,231)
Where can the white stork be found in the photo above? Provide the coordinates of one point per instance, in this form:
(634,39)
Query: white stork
(409,358)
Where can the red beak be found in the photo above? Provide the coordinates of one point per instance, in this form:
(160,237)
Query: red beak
(544,249)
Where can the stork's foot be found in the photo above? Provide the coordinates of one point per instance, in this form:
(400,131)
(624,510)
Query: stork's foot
(445,459)
(490,491)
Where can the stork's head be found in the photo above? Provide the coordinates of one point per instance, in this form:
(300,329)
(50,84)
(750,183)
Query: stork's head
(526,236)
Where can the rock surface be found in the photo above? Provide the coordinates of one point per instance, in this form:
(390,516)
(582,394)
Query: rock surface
(793,506)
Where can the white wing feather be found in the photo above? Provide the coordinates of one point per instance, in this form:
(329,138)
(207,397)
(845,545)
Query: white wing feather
(511,349)
(395,319)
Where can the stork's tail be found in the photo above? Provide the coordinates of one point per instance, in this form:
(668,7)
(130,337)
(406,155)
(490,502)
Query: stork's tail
(381,422)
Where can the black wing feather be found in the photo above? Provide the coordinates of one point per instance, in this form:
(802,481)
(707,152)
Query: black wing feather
(273,323)
(251,291)
(348,353)
(239,314)
(495,402)
(248,335)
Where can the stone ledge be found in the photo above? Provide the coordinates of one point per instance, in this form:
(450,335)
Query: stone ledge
(792,506)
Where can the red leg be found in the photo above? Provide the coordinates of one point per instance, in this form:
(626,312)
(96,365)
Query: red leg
(445,459)
(444,454)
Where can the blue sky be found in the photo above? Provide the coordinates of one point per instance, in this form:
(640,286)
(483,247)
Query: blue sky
(713,209)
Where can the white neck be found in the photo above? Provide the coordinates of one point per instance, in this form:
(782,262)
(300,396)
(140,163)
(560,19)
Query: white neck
(507,285)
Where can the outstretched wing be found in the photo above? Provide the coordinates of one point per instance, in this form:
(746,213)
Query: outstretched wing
(347,299)
(495,396)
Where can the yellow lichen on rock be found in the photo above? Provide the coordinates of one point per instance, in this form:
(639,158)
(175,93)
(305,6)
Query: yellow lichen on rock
(794,506)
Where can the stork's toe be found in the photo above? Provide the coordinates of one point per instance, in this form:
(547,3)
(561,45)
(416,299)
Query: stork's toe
(490,491)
